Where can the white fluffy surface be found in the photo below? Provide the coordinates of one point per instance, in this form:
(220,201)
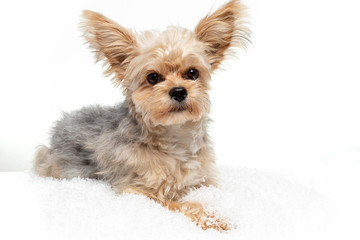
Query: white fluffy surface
(263,205)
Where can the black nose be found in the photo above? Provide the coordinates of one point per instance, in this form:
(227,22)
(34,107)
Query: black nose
(178,93)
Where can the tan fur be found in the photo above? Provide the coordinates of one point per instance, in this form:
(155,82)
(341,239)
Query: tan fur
(161,147)
(111,42)
(224,28)
(164,175)
(192,210)
(46,168)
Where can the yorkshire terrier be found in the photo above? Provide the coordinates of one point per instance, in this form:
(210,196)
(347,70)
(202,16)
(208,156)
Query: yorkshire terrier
(156,142)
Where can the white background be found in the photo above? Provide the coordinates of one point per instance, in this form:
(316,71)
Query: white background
(288,104)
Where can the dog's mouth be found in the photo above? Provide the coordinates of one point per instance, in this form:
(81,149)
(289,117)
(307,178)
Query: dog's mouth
(177,110)
(180,108)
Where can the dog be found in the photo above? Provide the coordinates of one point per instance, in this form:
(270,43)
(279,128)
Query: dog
(156,142)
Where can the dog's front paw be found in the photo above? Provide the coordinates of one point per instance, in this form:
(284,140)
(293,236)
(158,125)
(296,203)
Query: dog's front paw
(203,218)
(210,220)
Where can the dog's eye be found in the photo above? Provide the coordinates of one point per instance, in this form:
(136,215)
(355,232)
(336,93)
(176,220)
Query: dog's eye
(154,78)
(192,74)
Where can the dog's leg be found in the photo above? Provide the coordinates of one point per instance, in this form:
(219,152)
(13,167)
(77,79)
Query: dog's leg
(192,210)
(196,213)
(46,165)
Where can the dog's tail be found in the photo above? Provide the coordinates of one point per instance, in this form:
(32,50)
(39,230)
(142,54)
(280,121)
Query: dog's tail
(44,165)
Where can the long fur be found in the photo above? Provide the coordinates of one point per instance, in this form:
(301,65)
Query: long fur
(150,144)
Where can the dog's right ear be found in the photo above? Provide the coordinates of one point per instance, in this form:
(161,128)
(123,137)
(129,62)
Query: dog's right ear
(112,43)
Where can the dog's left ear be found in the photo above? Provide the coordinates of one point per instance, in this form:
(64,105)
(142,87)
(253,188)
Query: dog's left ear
(223,29)
(113,44)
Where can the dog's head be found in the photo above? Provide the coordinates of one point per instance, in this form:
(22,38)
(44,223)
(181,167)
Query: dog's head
(166,74)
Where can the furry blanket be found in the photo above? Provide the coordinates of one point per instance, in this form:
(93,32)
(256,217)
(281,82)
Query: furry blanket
(262,205)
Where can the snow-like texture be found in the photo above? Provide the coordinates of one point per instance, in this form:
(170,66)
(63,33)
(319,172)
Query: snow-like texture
(262,205)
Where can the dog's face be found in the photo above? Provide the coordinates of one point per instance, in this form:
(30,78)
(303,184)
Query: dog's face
(169,79)
(166,74)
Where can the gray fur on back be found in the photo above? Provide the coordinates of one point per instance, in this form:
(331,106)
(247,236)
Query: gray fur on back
(75,130)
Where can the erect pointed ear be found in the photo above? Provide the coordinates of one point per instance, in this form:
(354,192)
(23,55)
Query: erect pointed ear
(223,29)
(112,43)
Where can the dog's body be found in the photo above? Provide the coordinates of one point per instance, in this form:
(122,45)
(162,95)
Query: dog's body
(156,142)
(108,143)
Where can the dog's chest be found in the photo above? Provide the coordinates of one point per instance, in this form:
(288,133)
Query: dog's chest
(173,164)
(183,140)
